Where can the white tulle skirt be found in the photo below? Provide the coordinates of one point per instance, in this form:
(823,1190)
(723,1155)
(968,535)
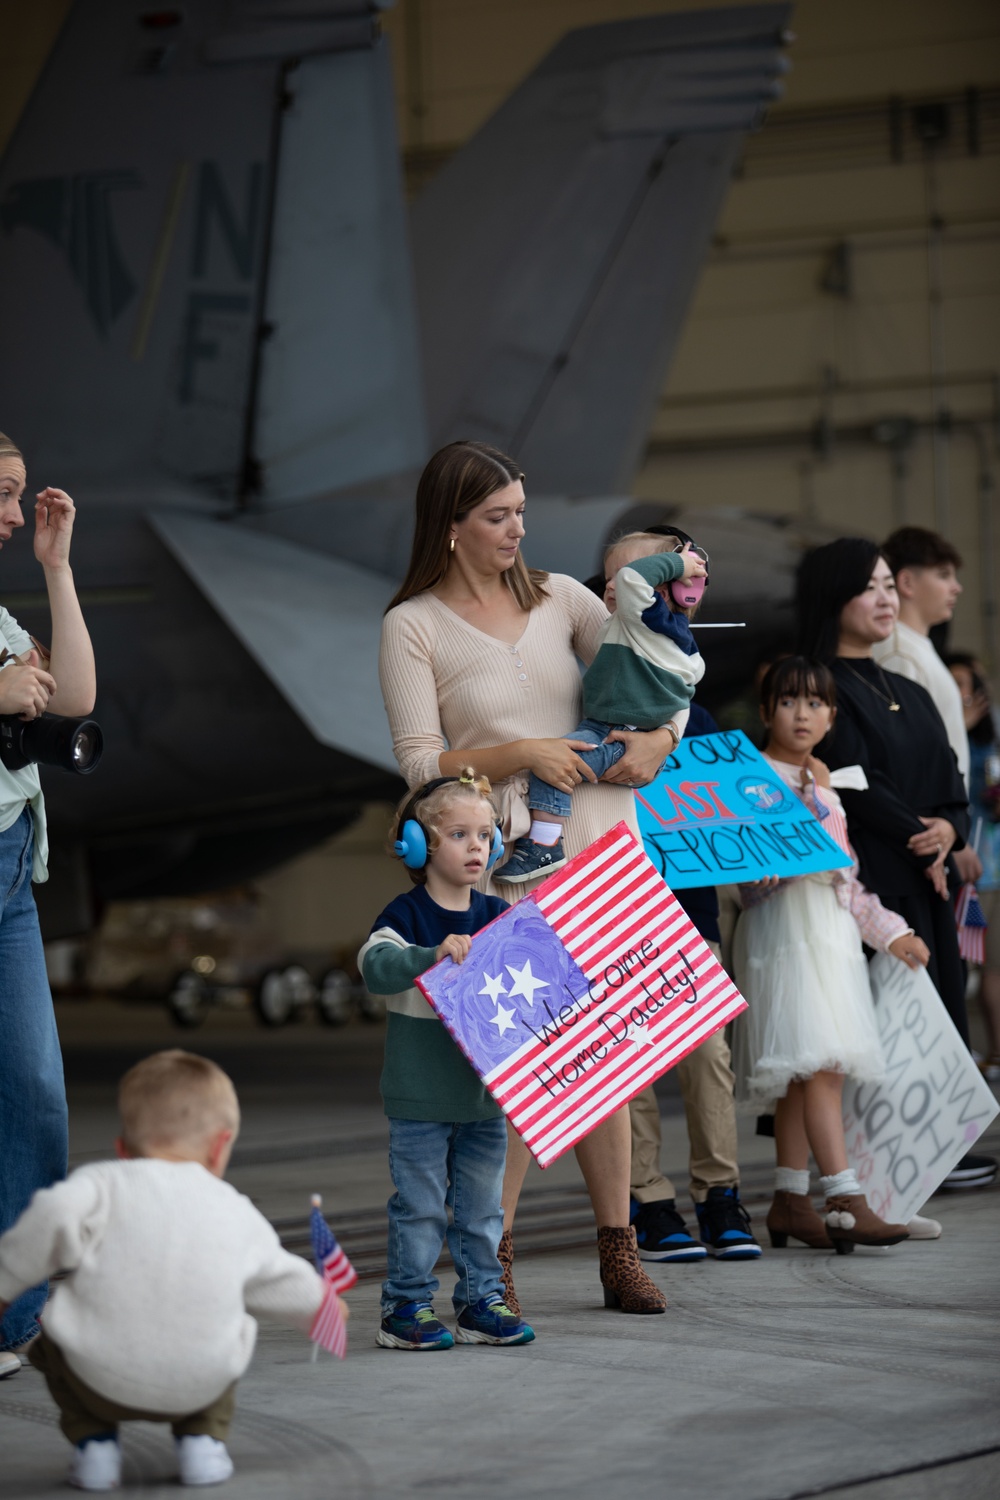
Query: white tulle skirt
(798,961)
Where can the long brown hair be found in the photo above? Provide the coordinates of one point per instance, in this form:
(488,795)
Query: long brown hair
(459,477)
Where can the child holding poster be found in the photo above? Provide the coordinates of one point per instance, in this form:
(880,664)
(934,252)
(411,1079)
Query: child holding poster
(643,677)
(799,962)
(447,1137)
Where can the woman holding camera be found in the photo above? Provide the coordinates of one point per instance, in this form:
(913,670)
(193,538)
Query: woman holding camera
(32,1094)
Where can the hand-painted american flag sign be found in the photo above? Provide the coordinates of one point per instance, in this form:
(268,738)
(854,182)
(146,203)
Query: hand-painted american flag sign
(582,994)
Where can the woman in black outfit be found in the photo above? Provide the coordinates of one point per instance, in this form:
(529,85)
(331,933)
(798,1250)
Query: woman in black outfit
(915,810)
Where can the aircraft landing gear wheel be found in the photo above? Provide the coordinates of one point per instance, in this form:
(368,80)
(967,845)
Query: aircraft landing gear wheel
(187,1000)
(334,998)
(280,993)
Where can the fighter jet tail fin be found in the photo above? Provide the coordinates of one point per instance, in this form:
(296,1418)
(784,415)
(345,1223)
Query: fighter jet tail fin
(557,252)
(206,275)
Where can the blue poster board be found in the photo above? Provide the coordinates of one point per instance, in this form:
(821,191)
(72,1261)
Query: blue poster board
(718,813)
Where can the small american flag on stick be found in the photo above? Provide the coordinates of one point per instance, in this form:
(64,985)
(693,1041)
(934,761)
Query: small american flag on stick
(582,994)
(970,919)
(329,1330)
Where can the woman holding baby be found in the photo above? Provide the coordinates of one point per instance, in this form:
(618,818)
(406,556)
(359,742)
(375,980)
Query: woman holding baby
(479,662)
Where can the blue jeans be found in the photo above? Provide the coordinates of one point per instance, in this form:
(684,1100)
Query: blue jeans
(32,1093)
(436,1166)
(545,798)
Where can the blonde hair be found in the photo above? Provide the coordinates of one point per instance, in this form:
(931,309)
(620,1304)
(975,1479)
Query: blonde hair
(428,809)
(9,449)
(175,1098)
(640,544)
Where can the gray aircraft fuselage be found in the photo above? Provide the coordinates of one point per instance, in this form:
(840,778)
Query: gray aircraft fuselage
(230,342)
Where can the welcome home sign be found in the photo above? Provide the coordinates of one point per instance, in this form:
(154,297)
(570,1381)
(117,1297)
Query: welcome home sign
(582,994)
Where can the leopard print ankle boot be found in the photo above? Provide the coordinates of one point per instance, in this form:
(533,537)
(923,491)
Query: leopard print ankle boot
(505,1255)
(625,1283)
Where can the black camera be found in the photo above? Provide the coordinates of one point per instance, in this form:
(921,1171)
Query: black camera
(71,744)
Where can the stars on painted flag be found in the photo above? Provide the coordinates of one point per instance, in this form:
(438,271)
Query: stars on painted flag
(525,982)
(503,1020)
(637,1037)
(494,987)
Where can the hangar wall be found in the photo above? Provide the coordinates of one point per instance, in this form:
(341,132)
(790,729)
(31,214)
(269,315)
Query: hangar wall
(814,324)
(834,326)
(852,294)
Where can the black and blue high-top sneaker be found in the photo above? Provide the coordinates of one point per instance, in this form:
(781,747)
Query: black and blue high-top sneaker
(661,1233)
(725,1226)
(529,860)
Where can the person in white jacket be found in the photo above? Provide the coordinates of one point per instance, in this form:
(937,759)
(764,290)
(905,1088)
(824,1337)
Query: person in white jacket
(158,1254)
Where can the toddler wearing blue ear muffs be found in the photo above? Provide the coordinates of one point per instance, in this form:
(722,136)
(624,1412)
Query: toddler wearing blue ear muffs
(447,1137)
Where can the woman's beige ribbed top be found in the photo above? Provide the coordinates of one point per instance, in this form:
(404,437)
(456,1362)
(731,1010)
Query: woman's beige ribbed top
(448,685)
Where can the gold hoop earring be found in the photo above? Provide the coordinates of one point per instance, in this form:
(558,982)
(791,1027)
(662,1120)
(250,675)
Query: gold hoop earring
(451,545)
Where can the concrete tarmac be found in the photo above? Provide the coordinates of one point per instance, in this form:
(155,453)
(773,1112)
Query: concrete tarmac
(873,1376)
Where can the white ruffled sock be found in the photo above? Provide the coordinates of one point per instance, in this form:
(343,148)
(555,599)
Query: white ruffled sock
(841,1184)
(788,1180)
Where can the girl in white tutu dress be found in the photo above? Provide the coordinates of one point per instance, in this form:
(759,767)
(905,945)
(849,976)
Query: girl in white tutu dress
(798,960)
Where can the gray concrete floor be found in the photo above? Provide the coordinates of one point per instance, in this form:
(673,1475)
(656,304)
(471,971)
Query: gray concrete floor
(873,1376)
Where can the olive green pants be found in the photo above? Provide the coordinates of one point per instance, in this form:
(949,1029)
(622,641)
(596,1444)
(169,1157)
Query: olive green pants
(84,1413)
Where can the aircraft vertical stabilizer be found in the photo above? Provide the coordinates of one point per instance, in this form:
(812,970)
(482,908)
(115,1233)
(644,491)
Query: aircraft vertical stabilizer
(556,254)
(203,258)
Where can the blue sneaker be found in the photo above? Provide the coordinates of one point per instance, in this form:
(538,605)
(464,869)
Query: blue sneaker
(413,1325)
(492,1322)
(529,860)
(725,1226)
(662,1234)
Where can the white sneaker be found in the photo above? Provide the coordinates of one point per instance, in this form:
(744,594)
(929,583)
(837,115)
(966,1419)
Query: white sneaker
(96,1465)
(9,1363)
(203,1460)
(924,1229)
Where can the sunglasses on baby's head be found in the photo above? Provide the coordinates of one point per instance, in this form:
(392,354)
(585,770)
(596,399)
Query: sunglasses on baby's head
(698,551)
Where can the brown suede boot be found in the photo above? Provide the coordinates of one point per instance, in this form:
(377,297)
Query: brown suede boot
(625,1283)
(850,1222)
(505,1255)
(793,1214)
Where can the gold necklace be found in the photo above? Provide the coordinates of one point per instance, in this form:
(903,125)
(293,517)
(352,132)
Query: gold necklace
(886,697)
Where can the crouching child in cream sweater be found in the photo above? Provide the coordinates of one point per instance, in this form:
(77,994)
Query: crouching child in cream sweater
(161,1257)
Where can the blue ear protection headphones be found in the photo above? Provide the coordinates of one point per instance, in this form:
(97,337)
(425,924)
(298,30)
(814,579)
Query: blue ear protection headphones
(411,846)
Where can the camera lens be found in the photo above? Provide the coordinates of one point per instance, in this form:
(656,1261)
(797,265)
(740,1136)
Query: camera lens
(85,748)
(70,744)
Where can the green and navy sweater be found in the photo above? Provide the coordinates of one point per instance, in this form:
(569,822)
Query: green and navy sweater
(647,664)
(424,1076)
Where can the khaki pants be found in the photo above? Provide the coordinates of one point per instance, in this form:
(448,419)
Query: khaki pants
(706,1081)
(84,1414)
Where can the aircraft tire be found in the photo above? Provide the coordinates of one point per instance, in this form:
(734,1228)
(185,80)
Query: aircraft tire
(281,993)
(334,1000)
(187,1000)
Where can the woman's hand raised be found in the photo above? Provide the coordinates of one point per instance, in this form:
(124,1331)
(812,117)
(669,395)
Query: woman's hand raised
(54,516)
(556,762)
